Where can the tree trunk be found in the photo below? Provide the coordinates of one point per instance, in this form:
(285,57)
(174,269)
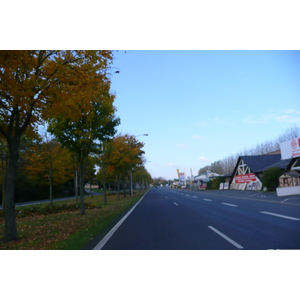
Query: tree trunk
(50,183)
(76,183)
(91,190)
(81,181)
(9,180)
(104,186)
(124,187)
(118,186)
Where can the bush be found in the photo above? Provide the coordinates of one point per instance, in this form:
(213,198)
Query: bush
(47,209)
(270,178)
(214,183)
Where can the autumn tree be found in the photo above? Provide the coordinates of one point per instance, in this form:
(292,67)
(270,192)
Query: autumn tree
(36,85)
(122,154)
(83,137)
(49,162)
(106,171)
(141,176)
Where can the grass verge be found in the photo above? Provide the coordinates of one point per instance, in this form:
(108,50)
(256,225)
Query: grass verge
(66,229)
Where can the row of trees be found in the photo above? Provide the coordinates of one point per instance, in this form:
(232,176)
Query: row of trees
(70,92)
(227,164)
(122,160)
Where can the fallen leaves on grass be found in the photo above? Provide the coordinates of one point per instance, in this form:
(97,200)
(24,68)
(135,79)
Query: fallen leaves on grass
(38,231)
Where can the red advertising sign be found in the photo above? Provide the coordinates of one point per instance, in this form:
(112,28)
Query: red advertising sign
(245,178)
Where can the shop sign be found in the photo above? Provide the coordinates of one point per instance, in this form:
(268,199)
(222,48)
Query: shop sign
(290,149)
(244,178)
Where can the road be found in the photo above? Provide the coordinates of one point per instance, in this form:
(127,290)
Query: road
(171,219)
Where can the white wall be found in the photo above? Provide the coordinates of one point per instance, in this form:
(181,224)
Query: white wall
(287,191)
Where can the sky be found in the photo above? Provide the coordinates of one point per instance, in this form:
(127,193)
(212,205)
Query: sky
(200,106)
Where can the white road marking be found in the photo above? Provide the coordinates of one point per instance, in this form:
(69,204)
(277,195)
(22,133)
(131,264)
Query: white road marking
(226,237)
(195,197)
(285,200)
(187,194)
(229,204)
(166,197)
(281,216)
(100,245)
(206,199)
(175,203)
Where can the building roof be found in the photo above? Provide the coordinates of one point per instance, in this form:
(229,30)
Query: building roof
(292,174)
(282,164)
(259,163)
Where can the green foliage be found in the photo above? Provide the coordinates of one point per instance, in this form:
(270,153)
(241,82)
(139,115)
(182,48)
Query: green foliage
(270,178)
(47,209)
(215,183)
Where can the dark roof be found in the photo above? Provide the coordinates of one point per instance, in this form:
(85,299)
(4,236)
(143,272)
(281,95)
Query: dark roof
(282,164)
(259,163)
(227,175)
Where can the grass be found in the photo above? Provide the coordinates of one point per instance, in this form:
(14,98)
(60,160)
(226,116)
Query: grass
(64,228)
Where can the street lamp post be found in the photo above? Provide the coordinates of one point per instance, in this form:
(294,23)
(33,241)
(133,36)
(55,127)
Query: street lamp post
(131,190)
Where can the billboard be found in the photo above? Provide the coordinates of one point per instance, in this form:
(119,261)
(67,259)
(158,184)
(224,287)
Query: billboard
(181,176)
(290,149)
(246,178)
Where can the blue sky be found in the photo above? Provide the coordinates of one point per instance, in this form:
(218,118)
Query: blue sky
(201,106)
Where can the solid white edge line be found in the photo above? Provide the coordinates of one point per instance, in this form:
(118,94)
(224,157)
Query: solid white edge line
(281,216)
(226,237)
(100,245)
(229,204)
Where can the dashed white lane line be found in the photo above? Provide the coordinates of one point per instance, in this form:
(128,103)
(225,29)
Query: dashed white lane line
(281,216)
(187,194)
(195,197)
(206,199)
(229,204)
(284,200)
(226,237)
(175,203)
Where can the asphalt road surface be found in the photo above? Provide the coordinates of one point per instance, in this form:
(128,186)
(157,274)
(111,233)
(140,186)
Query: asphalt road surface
(171,219)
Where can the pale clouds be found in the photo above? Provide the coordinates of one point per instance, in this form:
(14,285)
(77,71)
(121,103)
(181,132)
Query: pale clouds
(201,124)
(291,111)
(203,158)
(171,165)
(253,119)
(196,137)
(283,116)
(223,121)
(183,146)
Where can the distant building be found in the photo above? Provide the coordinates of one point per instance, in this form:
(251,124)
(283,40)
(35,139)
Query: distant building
(249,170)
